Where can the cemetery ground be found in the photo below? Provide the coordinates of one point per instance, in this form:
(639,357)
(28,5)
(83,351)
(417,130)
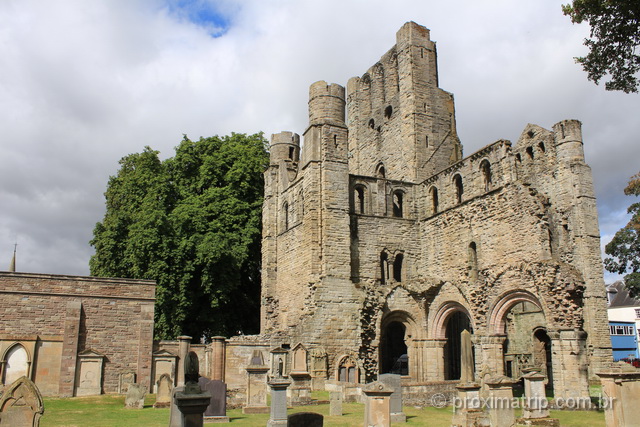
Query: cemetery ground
(109,411)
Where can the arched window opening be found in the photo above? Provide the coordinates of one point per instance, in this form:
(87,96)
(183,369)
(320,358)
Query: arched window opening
(457,182)
(434,200)
(372,124)
(397,267)
(380,171)
(530,152)
(457,323)
(397,203)
(393,350)
(359,200)
(348,370)
(485,167)
(384,267)
(473,261)
(542,147)
(16,364)
(518,158)
(387,112)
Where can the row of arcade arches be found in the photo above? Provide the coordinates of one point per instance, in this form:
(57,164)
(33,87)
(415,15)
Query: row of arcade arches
(518,318)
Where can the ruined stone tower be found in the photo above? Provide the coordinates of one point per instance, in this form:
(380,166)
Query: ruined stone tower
(381,243)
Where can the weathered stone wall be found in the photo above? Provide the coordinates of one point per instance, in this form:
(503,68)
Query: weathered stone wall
(65,315)
(398,227)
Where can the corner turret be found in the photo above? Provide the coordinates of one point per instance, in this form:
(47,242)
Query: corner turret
(326,104)
(568,140)
(284,146)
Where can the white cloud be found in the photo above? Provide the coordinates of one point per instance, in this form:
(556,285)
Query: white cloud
(84,83)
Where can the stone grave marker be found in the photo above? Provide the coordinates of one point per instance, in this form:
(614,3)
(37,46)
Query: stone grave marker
(335,403)
(21,404)
(256,385)
(377,411)
(393,381)
(135,396)
(217,409)
(305,419)
(163,394)
(278,408)
(125,379)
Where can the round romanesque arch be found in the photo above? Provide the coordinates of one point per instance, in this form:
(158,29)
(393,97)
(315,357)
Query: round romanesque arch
(397,330)
(504,303)
(442,316)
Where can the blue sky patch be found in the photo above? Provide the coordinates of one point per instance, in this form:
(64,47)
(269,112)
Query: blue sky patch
(204,13)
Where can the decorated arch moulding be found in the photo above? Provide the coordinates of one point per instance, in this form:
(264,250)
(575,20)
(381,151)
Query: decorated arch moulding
(446,309)
(504,303)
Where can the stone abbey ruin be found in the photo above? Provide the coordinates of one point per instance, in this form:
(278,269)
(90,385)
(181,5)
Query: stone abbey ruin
(381,244)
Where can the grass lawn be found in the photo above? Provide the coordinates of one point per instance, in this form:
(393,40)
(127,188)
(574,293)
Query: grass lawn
(109,411)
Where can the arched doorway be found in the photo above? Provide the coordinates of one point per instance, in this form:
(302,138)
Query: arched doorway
(456,323)
(393,349)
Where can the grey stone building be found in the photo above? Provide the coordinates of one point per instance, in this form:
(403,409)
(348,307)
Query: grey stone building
(381,242)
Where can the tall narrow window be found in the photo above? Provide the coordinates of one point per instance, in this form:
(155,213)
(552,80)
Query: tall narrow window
(397,267)
(485,168)
(384,267)
(359,200)
(291,151)
(434,200)
(457,182)
(397,204)
(285,213)
(473,261)
(380,172)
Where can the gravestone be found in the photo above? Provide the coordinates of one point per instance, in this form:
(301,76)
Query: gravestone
(175,416)
(377,410)
(192,402)
(335,403)
(21,404)
(300,390)
(89,373)
(256,385)
(468,411)
(217,409)
(305,419)
(163,394)
(125,379)
(278,408)
(135,396)
(621,389)
(500,398)
(536,406)
(393,381)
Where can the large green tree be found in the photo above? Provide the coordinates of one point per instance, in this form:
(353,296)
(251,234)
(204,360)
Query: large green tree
(624,249)
(192,223)
(613,43)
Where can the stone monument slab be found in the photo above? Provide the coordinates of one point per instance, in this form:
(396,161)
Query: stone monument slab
(135,396)
(21,404)
(163,393)
(217,409)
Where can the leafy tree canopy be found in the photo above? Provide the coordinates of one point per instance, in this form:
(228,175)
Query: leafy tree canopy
(192,223)
(615,36)
(624,249)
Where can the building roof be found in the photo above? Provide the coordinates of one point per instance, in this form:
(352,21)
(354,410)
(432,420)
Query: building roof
(619,296)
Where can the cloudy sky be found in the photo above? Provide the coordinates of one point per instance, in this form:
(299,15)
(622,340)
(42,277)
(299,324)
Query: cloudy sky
(83,83)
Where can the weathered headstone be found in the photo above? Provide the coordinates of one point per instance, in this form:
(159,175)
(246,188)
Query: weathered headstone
(468,411)
(175,416)
(21,404)
(217,409)
(500,401)
(89,373)
(621,388)
(163,394)
(125,379)
(135,396)
(335,403)
(278,411)
(305,419)
(377,409)
(256,385)
(393,381)
(536,407)
(300,390)
(466,358)
(192,402)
